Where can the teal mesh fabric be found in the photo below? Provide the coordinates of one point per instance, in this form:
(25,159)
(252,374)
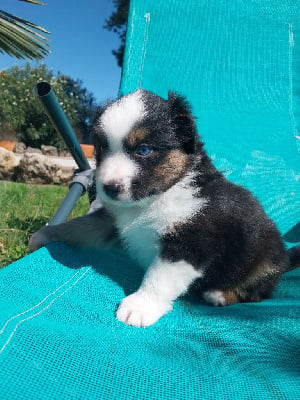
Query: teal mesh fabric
(238,63)
(59,338)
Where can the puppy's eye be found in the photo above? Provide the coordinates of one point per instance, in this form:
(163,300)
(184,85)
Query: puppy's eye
(143,150)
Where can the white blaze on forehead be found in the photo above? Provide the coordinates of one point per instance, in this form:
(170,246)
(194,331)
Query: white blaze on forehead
(119,118)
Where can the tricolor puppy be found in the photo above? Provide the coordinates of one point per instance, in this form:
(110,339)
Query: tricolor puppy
(174,213)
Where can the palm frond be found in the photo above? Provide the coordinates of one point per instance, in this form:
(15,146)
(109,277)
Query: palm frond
(21,38)
(34,2)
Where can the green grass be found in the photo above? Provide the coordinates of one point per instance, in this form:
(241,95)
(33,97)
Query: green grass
(23,210)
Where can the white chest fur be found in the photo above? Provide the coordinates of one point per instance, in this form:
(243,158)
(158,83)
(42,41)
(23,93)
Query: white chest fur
(139,235)
(142,225)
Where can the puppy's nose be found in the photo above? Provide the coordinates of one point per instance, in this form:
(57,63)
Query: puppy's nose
(113,189)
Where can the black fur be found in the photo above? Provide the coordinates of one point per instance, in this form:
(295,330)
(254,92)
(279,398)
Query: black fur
(231,239)
(174,212)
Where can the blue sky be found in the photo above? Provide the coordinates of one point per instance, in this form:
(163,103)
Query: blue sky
(80,47)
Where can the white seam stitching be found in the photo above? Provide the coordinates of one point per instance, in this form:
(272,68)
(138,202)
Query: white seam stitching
(291,111)
(37,305)
(144,48)
(40,312)
(130,41)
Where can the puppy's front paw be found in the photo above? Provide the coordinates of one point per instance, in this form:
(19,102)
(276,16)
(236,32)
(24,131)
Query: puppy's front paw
(38,240)
(139,310)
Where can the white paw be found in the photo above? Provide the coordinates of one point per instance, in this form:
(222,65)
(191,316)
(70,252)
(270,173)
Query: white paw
(141,311)
(37,240)
(215,297)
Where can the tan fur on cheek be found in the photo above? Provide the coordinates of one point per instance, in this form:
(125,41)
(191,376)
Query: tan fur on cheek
(172,168)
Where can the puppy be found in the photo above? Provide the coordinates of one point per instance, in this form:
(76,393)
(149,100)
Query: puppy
(173,212)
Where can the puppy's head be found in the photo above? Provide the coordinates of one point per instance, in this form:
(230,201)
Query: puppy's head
(144,145)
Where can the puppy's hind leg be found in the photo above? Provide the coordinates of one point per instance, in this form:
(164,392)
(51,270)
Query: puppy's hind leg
(256,287)
(220,297)
(94,230)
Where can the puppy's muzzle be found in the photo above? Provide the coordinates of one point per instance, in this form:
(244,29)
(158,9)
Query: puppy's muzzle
(113,190)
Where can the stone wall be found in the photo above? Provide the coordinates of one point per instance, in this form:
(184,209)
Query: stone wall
(31,166)
(8,163)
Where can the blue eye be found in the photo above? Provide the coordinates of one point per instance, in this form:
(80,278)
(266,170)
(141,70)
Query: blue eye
(144,150)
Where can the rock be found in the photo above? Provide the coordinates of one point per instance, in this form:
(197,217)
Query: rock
(37,168)
(49,150)
(65,153)
(33,150)
(8,163)
(20,148)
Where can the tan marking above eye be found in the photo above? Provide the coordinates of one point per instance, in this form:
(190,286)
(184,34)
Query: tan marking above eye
(136,136)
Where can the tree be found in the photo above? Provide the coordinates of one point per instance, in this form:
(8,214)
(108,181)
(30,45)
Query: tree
(86,107)
(20,38)
(117,23)
(22,114)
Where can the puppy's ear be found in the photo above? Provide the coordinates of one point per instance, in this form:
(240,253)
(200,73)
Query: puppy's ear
(184,121)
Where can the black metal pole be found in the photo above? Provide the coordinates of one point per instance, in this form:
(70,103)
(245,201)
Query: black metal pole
(67,205)
(58,118)
(84,178)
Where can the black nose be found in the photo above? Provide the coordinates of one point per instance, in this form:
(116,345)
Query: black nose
(113,189)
